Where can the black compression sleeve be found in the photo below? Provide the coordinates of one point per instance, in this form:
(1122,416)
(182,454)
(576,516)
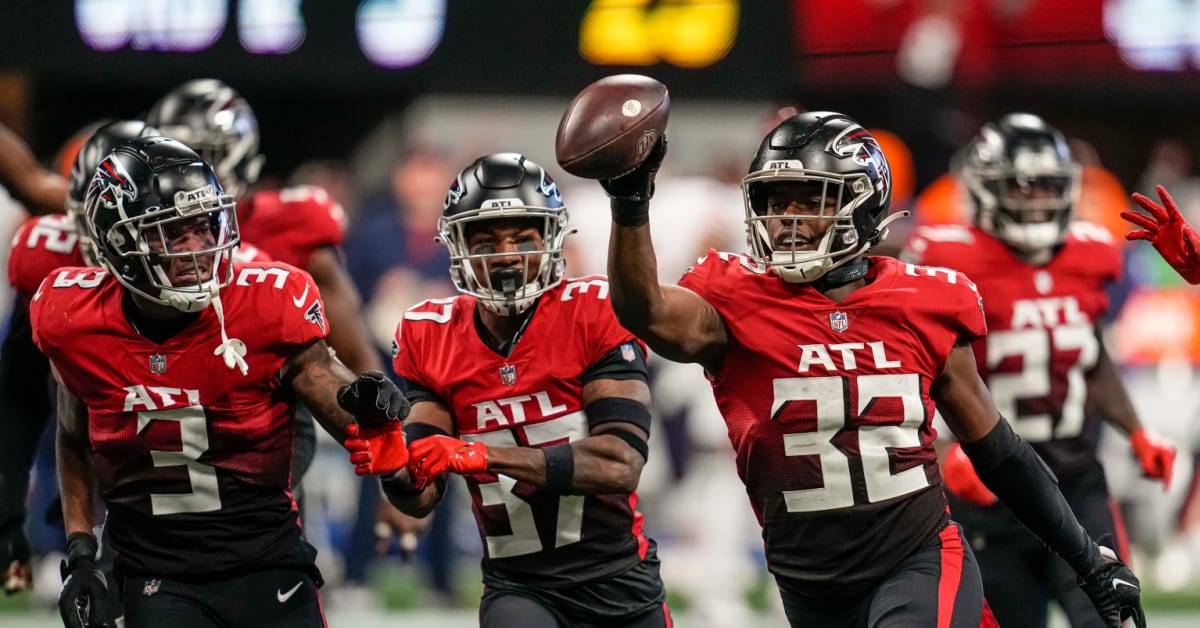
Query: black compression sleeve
(1018,476)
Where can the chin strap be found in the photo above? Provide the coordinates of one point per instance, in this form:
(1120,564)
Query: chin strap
(232,350)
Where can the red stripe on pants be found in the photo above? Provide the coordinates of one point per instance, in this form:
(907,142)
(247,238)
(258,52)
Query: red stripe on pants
(951,574)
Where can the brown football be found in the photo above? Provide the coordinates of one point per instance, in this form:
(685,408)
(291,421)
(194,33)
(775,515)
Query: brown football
(610,126)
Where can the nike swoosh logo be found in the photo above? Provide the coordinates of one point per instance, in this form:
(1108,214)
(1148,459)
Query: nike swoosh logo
(299,301)
(283,597)
(1117,581)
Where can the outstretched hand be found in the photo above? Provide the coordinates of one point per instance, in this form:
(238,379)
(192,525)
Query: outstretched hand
(1163,226)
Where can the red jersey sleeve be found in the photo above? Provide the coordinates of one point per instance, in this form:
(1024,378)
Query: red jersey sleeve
(1099,252)
(303,310)
(604,331)
(938,245)
(708,277)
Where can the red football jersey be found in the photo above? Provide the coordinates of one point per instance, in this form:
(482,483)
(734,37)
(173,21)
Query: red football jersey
(42,244)
(292,223)
(1043,328)
(193,458)
(828,409)
(532,398)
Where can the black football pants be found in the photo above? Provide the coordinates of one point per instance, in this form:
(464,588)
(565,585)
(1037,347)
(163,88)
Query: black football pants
(271,598)
(937,586)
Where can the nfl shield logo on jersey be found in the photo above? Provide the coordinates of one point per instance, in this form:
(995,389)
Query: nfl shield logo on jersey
(158,364)
(627,352)
(839,322)
(508,375)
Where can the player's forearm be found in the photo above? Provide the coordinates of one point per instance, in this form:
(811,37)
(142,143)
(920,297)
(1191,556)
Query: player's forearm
(1011,469)
(409,500)
(317,386)
(1109,396)
(76,482)
(602,465)
(637,297)
(41,191)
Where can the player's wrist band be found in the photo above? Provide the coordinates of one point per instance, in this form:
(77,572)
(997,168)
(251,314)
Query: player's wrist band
(630,213)
(81,546)
(398,485)
(560,468)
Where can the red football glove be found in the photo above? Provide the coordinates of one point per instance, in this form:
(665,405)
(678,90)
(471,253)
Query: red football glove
(376,450)
(1157,457)
(1170,234)
(435,455)
(958,474)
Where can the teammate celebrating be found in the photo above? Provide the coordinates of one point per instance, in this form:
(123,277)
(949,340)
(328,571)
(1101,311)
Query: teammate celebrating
(528,387)
(1171,235)
(1042,278)
(177,370)
(826,364)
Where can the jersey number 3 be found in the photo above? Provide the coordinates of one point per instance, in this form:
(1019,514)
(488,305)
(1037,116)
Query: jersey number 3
(193,436)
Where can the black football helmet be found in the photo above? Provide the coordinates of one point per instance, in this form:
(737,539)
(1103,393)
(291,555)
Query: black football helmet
(93,151)
(1023,182)
(504,185)
(216,122)
(141,197)
(836,152)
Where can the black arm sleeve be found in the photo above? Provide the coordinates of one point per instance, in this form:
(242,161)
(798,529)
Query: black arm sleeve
(24,407)
(624,362)
(415,392)
(1015,473)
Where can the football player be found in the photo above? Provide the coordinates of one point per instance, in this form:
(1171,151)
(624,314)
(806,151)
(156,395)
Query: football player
(178,370)
(42,244)
(528,387)
(826,364)
(1042,278)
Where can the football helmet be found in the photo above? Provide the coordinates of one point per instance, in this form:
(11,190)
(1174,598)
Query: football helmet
(845,163)
(91,153)
(216,122)
(504,186)
(149,198)
(1023,182)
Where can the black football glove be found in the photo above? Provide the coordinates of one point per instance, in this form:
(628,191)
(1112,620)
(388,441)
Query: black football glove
(1115,591)
(630,193)
(373,399)
(81,602)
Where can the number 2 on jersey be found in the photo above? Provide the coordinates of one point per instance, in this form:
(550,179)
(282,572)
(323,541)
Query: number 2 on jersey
(1037,349)
(874,441)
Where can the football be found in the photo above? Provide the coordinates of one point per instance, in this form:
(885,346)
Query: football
(610,126)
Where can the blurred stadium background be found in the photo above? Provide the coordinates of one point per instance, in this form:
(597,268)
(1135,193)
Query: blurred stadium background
(380,101)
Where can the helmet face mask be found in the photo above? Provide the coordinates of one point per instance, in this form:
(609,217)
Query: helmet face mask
(1023,182)
(817,196)
(162,225)
(216,122)
(504,224)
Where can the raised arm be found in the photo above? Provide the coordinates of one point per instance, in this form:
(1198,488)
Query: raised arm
(41,191)
(1014,472)
(675,322)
